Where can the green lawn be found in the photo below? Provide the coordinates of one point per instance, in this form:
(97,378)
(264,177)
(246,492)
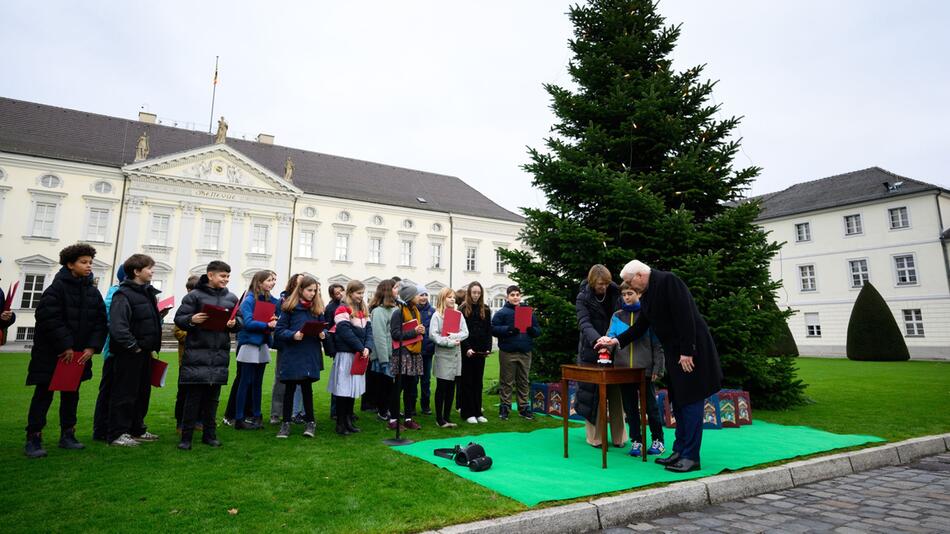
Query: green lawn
(356,483)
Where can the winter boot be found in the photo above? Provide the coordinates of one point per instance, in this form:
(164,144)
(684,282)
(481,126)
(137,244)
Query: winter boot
(34,445)
(67,440)
(185,443)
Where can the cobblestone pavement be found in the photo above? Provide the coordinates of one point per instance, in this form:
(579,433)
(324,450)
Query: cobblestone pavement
(906,498)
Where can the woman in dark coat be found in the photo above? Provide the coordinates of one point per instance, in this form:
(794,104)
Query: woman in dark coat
(692,362)
(70,323)
(475,349)
(598,299)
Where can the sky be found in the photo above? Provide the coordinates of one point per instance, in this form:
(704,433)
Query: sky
(457,87)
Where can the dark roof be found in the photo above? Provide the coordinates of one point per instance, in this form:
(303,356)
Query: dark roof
(66,134)
(840,190)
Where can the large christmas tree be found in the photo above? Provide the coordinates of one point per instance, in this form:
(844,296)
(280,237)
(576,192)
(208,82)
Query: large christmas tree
(639,166)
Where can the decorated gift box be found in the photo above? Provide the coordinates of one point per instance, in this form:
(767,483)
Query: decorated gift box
(743,406)
(539,397)
(711,417)
(727,409)
(556,397)
(666,411)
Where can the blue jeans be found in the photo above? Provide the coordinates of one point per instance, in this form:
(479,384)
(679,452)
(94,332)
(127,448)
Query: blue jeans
(631,405)
(252,379)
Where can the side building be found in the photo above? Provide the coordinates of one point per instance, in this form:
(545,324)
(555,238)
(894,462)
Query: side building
(187,198)
(864,226)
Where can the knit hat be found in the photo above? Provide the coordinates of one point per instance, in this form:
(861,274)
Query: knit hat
(408,292)
(422,290)
(120,274)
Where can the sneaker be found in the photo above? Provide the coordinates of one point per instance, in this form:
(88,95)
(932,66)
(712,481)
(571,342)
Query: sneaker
(412,425)
(298,419)
(226,422)
(636,449)
(426,411)
(393,424)
(384,417)
(503,412)
(310,430)
(448,424)
(471,421)
(211,441)
(656,447)
(245,424)
(146,436)
(34,446)
(274,420)
(481,419)
(125,440)
(184,445)
(284,431)
(526,414)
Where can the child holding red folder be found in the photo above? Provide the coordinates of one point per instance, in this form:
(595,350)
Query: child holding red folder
(70,325)
(301,359)
(259,312)
(514,353)
(204,364)
(447,330)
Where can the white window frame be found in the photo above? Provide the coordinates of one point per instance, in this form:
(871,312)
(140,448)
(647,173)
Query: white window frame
(859,227)
(152,228)
(40,196)
(436,252)
(206,243)
(47,278)
(897,270)
(29,334)
(97,217)
(374,253)
(57,185)
(95,187)
(342,254)
(406,252)
(471,258)
(913,322)
(498,302)
(852,273)
(305,248)
(801,278)
(45,226)
(500,266)
(812,324)
(256,247)
(807,233)
(906,218)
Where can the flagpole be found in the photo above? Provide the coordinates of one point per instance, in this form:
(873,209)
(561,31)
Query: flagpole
(213,91)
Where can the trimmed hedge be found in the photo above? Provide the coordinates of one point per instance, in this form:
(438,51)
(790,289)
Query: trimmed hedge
(873,334)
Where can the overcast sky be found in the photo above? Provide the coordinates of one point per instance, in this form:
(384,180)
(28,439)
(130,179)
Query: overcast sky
(456,87)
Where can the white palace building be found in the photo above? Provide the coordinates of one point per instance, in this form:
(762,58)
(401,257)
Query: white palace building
(187,198)
(864,226)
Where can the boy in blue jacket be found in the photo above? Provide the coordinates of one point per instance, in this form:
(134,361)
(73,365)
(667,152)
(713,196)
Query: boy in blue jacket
(514,355)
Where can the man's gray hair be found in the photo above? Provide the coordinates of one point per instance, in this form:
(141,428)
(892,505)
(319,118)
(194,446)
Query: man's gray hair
(634,267)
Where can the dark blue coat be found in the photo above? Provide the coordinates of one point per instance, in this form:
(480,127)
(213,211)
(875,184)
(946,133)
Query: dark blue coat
(510,339)
(299,360)
(425,313)
(351,338)
(255,332)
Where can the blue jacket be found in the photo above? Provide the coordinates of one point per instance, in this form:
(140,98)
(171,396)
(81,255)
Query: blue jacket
(299,360)
(510,339)
(425,313)
(255,332)
(351,338)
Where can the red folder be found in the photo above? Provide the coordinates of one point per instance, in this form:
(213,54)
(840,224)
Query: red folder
(217,320)
(159,370)
(237,306)
(166,304)
(313,328)
(67,375)
(408,326)
(523,318)
(453,322)
(264,311)
(360,363)
(10,292)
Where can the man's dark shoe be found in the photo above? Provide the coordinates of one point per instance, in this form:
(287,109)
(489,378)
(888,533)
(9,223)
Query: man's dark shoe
(68,440)
(669,460)
(185,443)
(211,441)
(244,424)
(350,426)
(34,446)
(526,414)
(684,465)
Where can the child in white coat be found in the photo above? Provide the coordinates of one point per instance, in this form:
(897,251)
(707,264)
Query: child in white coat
(447,362)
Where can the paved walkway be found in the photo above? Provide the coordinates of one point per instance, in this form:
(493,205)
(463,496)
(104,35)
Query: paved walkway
(906,498)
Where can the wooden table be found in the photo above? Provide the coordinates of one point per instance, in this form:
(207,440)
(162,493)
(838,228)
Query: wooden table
(602,376)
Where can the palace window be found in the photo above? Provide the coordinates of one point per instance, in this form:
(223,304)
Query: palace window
(471,258)
(159,233)
(898,218)
(852,224)
(807,278)
(342,250)
(212,234)
(44,219)
(305,244)
(375,250)
(436,255)
(812,325)
(259,238)
(405,252)
(32,290)
(859,272)
(802,232)
(906,270)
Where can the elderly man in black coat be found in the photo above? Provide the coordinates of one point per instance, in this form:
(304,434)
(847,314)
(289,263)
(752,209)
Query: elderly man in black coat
(692,361)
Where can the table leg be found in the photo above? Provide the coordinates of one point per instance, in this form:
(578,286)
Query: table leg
(565,411)
(602,419)
(643,416)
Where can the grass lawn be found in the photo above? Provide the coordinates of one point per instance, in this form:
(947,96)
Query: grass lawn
(356,483)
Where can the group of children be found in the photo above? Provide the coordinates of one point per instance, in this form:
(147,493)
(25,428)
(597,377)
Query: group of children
(380,352)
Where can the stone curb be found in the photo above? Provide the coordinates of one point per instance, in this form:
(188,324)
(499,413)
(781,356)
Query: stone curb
(621,510)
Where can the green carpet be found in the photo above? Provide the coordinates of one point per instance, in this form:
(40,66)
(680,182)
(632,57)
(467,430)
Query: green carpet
(530,467)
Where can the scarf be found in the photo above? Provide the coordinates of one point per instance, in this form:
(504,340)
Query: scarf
(633,308)
(409,313)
